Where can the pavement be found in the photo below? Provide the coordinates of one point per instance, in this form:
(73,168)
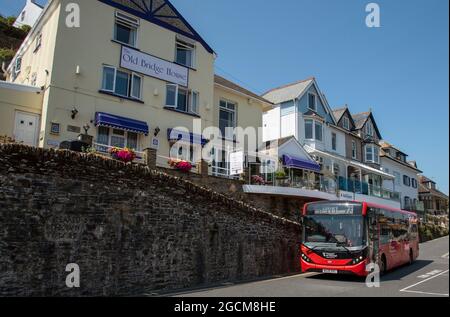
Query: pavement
(427,277)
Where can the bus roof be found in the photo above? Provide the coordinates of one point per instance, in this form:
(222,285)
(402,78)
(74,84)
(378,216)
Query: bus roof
(364,204)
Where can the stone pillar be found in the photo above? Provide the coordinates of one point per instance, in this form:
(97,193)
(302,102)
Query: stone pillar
(204,168)
(150,157)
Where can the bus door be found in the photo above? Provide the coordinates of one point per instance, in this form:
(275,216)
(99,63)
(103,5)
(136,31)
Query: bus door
(374,235)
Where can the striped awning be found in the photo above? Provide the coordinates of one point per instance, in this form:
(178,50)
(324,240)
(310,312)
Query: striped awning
(112,121)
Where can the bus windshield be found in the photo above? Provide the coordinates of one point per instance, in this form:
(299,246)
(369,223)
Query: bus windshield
(335,230)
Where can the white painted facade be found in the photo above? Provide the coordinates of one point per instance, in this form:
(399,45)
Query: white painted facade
(29,14)
(399,170)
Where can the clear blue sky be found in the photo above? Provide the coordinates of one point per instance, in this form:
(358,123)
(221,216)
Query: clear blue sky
(400,70)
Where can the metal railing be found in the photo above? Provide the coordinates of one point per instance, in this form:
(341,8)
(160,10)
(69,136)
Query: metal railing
(363,188)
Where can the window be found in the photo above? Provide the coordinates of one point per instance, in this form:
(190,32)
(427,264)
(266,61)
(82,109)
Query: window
(182,99)
(125,29)
(406,180)
(185,53)
(313,130)
(407,202)
(121,83)
(354,151)
(118,138)
(38,42)
(369,128)
(309,129)
(372,154)
(346,123)
(397,178)
(227,117)
(33,79)
(319,131)
(22,16)
(312,101)
(195,102)
(18,65)
(333,141)
(414,183)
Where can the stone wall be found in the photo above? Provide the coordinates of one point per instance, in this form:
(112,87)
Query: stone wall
(130,229)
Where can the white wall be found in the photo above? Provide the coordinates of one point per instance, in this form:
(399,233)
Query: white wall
(271,125)
(340,146)
(288,124)
(32,12)
(391,166)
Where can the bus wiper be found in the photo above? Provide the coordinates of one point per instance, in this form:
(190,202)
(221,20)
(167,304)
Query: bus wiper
(342,244)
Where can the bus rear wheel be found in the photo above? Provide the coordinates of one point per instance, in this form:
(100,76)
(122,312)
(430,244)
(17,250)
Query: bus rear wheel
(383,265)
(411,257)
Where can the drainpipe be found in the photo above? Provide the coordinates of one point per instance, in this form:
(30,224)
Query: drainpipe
(4,70)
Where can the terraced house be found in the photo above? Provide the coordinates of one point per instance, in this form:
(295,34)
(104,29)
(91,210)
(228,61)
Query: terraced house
(344,145)
(134,74)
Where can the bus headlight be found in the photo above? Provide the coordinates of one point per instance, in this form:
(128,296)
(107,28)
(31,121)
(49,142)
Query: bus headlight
(305,258)
(357,260)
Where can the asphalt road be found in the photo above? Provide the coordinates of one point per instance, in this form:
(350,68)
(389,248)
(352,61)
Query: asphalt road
(428,276)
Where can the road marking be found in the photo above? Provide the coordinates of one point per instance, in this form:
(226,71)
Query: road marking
(406,289)
(289,277)
(445,256)
(425,293)
(430,274)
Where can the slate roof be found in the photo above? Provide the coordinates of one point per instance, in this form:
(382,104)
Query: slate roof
(338,113)
(229,84)
(360,119)
(288,92)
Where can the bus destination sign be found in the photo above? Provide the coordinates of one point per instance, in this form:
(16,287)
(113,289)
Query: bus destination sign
(334,209)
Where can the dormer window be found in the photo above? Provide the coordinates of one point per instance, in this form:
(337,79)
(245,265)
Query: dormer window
(125,29)
(346,123)
(369,129)
(185,53)
(312,101)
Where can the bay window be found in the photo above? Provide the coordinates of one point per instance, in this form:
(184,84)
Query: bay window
(125,29)
(182,99)
(313,130)
(372,154)
(122,84)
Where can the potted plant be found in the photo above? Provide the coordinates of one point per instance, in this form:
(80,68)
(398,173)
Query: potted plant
(180,165)
(280,174)
(125,155)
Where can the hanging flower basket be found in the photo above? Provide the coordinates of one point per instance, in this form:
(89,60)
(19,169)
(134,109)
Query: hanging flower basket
(182,166)
(258,180)
(124,155)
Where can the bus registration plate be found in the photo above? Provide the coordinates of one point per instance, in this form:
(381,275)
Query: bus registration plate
(330,271)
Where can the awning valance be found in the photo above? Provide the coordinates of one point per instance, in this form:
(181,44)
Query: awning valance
(121,123)
(176,135)
(300,163)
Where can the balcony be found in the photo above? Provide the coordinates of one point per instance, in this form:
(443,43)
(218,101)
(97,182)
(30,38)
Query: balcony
(316,186)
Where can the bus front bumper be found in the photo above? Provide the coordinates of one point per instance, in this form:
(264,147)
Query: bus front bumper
(358,269)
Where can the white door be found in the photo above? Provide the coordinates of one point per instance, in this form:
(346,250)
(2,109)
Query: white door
(26,128)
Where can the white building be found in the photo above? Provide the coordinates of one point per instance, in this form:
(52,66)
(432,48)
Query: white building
(29,14)
(302,111)
(394,161)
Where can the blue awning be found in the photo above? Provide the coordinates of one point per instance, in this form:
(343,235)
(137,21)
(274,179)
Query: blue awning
(121,123)
(176,135)
(300,163)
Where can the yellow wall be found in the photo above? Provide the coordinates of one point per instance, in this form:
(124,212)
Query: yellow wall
(12,100)
(249,110)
